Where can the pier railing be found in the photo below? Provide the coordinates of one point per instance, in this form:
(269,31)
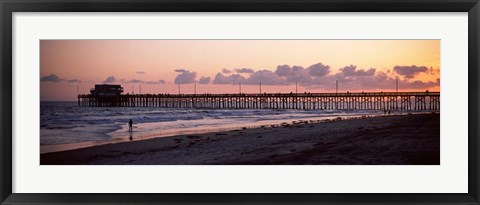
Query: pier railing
(356,100)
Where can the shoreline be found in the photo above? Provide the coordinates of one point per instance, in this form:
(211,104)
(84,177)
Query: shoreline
(356,140)
(126,136)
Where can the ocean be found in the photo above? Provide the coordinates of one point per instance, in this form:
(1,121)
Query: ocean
(64,125)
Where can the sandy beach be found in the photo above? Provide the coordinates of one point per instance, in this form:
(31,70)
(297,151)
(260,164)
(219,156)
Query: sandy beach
(382,140)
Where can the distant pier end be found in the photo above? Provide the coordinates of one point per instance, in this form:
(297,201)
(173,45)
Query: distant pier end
(105,95)
(106,90)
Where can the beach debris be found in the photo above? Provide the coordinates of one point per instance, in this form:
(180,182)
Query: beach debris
(284,124)
(244,128)
(193,137)
(219,134)
(303,122)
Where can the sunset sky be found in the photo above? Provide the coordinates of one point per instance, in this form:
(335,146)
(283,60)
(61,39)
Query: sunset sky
(219,66)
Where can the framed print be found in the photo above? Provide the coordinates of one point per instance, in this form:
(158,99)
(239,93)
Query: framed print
(253,102)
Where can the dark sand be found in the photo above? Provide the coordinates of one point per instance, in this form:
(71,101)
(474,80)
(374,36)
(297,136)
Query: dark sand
(385,140)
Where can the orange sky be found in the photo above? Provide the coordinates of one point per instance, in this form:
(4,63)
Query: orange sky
(151,64)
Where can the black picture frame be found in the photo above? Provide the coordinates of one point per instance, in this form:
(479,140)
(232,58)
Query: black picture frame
(7,7)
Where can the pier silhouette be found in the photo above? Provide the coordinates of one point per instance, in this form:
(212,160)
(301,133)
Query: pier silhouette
(339,101)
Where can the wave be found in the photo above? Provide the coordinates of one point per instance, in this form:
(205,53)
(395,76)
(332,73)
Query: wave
(65,122)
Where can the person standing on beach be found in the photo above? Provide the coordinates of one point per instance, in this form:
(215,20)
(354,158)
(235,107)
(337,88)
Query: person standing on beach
(130,123)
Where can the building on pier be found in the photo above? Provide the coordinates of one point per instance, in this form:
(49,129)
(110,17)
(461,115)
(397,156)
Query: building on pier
(106,90)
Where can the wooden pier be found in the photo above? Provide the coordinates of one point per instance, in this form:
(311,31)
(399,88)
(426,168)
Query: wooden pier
(327,101)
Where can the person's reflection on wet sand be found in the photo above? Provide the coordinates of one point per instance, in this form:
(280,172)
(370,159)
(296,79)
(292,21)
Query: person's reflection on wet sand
(131,136)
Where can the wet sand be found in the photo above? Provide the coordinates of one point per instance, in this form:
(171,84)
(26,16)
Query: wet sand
(383,140)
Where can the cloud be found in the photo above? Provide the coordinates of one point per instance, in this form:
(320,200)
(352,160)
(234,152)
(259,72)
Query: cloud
(265,77)
(292,74)
(380,81)
(434,71)
(185,76)
(417,84)
(351,70)
(110,79)
(74,81)
(155,82)
(318,75)
(140,72)
(226,70)
(132,81)
(283,70)
(409,71)
(283,75)
(230,79)
(51,78)
(299,75)
(369,72)
(135,81)
(204,80)
(244,70)
(54,78)
(181,70)
(318,70)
